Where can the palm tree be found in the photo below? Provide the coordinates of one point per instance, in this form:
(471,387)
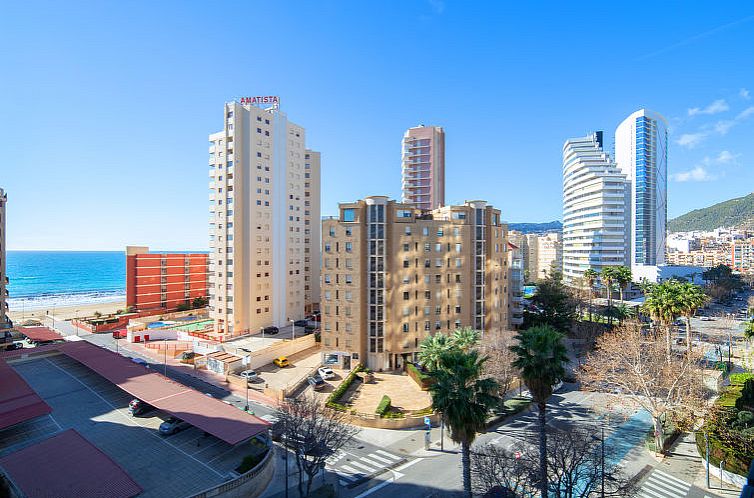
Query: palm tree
(663,304)
(464,399)
(432,348)
(590,276)
(623,276)
(465,338)
(623,311)
(692,297)
(540,356)
(608,275)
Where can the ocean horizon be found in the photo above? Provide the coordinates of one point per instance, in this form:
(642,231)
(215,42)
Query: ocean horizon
(51,279)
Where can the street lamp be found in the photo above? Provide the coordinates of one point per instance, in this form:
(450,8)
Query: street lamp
(165,344)
(246,408)
(262,330)
(293,329)
(77,322)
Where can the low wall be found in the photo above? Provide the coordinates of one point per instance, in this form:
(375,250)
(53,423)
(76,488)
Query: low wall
(376,422)
(729,477)
(154,335)
(249,485)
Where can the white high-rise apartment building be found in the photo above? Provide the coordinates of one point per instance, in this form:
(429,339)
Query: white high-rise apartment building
(4,321)
(264,237)
(594,199)
(641,153)
(423,167)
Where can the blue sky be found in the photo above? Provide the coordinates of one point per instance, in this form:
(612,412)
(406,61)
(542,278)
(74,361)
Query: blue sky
(105,107)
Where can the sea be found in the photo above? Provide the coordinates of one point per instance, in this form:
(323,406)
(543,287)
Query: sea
(50,279)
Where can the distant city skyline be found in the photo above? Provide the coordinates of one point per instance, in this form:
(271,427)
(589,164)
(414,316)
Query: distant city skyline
(109,104)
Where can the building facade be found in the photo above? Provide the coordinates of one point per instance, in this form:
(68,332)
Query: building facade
(594,199)
(641,153)
(312,230)
(4,320)
(259,186)
(164,281)
(423,167)
(515,286)
(393,274)
(742,256)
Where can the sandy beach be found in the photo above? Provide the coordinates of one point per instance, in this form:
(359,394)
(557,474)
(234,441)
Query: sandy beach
(65,313)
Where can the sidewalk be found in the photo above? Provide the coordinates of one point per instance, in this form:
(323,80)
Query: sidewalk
(685,463)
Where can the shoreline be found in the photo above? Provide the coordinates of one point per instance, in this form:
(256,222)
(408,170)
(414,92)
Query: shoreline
(69,311)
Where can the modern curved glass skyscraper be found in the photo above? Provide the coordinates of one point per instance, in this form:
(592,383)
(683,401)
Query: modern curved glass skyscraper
(594,199)
(641,152)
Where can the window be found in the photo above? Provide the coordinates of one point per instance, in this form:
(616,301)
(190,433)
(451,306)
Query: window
(438,263)
(327,247)
(328,295)
(406,311)
(427,247)
(458,309)
(425,231)
(408,231)
(405,327)
(458,215)
(458,262)
(348,232)
(438,247)
(348,215)
(327,279)
(349,279)
(349,295)
(458,247)
(406,247)
(406,296)
(427,263)
(404,213)
(332,231)
(456,232)
(406,263)
(427,295)
(440,232)
(349,246)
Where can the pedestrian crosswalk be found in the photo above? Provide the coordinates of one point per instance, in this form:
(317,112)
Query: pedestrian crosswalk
(352,468)
(660,484)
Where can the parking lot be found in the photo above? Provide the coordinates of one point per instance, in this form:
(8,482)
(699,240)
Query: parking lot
(165,466)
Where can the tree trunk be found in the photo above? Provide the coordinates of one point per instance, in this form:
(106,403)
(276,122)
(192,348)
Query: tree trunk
(668,343)
(688,334)
(542,449)
(300,476)
(658,435)
(590,303)
(466,463)
(621,292)
(609,303)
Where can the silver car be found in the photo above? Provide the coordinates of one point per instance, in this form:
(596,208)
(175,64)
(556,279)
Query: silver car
(249,375)
(173,425)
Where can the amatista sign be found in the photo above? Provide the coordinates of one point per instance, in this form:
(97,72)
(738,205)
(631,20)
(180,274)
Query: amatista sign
(273,100)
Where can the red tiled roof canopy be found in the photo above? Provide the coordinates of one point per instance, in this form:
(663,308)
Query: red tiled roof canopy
(18,401)
(40,333)
(223,421)
(67,465)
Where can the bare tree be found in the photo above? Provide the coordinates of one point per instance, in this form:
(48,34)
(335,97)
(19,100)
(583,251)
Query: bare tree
(496,346)
(501,473)
(576,464)
(314,432)
(635,365)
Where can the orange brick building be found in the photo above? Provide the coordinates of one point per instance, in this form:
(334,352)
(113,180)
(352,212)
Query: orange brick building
(160,281)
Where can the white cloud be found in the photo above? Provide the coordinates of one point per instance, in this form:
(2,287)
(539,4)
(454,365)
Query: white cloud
(691,140)
(698,174)
(749,111)
(727,157)
(715,107)
(744,94)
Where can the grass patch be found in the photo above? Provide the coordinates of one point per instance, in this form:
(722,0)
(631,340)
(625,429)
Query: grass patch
(738,379)
(423,379)
(515,405)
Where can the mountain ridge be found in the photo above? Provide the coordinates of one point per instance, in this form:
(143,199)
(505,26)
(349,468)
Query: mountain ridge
(731,213)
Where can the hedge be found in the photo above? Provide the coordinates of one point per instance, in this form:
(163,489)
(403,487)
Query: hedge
(419,377)
(250,461)
(738,379)
(384,406)
(332,400)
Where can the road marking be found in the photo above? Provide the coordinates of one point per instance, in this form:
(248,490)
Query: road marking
(56,422)
(381,459)
(389,455)
(350,470)
(131,419)
(408,464)
(379,486)
(371,462)
(672,478)
(653,488)
(361,465)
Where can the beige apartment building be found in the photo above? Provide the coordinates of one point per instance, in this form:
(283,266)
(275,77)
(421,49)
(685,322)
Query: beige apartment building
(4,320)
(700,257)
(261,229)
(423,167)
(393,274)
(541,254)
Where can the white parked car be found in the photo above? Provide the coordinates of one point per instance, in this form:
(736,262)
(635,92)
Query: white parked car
(326,373)
(249,375)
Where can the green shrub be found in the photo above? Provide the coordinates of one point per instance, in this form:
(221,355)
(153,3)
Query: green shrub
(746,400)
(384,406)
(739,379)
(424,380)
(394,415)
(250,461)
(332,400)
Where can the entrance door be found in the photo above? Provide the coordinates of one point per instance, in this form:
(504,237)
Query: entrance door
(346,363)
